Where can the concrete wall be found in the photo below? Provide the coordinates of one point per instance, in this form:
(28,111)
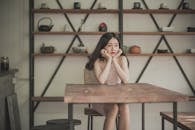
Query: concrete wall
(14,43)
(162,71)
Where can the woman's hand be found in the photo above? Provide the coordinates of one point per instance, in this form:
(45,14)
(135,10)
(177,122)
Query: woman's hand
(106,54)
(118,54)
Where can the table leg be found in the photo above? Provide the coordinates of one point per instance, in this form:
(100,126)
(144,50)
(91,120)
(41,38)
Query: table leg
(143,116)
(175,116)
(163,123)
(70,116)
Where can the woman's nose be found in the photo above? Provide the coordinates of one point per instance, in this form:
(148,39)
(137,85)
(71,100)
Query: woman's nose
(113,48)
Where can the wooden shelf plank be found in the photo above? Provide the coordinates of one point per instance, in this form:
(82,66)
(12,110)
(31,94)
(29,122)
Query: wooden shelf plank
(59,54)
(69,33)
(76,11)
(159,11)
(159,33)
(163,54)
(48,99)
(136,11)
(85,54)
(125,33)
(192,98)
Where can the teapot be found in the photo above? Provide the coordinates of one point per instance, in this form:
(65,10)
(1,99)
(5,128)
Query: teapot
(45,28)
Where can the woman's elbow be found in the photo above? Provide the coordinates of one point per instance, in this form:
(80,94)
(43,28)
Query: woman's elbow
(101,81)
(126,80)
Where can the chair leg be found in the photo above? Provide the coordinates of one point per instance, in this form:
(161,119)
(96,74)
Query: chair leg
(88,125)
(117,122)
(91,122)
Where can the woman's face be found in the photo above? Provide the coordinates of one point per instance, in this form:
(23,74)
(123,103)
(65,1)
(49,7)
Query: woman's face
(112,47)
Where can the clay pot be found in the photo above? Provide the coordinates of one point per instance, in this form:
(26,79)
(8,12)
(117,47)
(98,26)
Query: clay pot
(135,49)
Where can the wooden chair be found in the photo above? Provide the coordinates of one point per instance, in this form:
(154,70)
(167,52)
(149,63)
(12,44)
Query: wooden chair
(89,78)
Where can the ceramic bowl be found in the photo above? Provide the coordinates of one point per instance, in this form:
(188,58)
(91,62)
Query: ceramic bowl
(79,49)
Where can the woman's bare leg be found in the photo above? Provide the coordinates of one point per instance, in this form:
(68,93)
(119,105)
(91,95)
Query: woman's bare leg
(124,119)
(111,111)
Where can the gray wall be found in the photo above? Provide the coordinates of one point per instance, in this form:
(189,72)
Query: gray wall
(14,44)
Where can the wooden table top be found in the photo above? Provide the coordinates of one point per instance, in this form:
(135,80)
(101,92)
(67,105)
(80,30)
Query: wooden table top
(124,93)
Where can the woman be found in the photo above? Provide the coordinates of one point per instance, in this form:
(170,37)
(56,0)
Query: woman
(111,67)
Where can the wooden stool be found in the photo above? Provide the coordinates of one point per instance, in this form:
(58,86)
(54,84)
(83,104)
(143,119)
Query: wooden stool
(49,127)
(56,124)
(63,122)
(40,127)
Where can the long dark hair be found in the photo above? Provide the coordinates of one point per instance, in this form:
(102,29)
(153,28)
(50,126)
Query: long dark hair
(104,39)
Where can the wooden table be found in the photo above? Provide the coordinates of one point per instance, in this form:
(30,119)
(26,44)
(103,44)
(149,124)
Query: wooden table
(124,93)
(186,120)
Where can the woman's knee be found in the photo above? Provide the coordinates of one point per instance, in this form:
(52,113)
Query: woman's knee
(111,109)
(123,107)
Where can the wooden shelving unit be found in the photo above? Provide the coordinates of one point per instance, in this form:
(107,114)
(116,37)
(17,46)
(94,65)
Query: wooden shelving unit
(120,12)
(48,99)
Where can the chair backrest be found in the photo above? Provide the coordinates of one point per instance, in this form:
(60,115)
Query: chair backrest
(89,77)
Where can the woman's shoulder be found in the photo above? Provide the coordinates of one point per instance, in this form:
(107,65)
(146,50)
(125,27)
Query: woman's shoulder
(124,61)
(98,61)
(123,58)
